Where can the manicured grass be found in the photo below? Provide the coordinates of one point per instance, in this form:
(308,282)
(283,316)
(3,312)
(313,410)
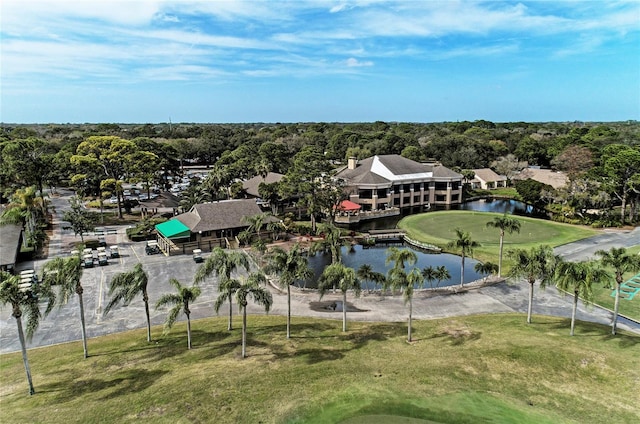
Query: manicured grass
(602,295)
(439,228)
(490,368)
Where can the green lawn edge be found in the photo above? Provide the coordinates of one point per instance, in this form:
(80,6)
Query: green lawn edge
(483,368)
(434,227)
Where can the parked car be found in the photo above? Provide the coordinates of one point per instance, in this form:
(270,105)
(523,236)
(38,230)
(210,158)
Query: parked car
(113,200)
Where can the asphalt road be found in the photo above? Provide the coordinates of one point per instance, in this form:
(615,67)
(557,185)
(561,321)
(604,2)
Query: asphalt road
(63,324)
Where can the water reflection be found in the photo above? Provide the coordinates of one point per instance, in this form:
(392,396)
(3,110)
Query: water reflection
(509,206)
(377,256)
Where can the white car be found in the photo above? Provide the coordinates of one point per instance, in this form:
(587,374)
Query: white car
(113,200)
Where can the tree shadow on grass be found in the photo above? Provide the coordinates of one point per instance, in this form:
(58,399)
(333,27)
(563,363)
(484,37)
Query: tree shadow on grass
(593,329)
(114,385)
(342,342)
(457,334)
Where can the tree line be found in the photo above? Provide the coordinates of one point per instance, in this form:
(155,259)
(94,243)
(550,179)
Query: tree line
(600,159)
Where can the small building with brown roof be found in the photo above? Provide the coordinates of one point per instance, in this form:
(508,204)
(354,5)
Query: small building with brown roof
(487,179)
(251,186)
(209,225)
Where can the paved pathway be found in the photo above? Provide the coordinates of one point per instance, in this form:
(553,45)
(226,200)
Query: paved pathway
(63,324)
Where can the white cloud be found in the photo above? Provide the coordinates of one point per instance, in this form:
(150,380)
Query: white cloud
(352,62)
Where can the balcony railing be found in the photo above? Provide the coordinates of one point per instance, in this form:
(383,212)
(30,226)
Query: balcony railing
(349,218)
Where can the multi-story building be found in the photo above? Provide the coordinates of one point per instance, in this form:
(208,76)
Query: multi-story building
(383,185)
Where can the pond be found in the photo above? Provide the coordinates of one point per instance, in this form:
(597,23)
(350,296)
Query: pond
(376,257)
(509,206)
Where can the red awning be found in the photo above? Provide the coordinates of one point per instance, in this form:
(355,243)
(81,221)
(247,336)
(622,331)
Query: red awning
(347,205)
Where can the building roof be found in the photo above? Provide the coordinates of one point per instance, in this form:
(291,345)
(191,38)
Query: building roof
(222,215)
(488,175)
(173,229)
(555,179)
(252,184)
(393,168)
(9,243)
(348,205)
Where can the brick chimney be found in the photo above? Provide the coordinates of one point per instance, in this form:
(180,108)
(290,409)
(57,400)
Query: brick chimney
(352,163)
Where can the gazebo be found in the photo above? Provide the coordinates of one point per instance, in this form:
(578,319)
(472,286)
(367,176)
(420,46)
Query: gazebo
(348,207)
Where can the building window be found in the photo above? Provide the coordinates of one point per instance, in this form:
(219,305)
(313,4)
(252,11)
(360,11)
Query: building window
(441,186)
(455,185)
(416,199)
(441,198)
(396,201)
(455,197)
(365,194)
(426,198)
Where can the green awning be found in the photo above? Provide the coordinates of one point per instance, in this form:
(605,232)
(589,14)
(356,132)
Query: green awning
(173,229)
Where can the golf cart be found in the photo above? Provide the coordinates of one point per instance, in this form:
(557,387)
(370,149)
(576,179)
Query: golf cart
(197,256)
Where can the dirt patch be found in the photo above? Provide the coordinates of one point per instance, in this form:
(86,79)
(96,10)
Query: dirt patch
(333,306)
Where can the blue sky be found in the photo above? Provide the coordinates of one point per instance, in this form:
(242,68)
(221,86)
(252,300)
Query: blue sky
(303,61)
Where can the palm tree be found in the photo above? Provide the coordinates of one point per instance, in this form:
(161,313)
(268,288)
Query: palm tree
(26,209)
(622,262)
(338,275)
(504,224)
(486,268)
(222,264)
(127,285)
(260,295)
(66,273)
(399,279)
(442,273)
(578,277)
(255,222)
(289,267)
(25,301)
(366,273)
(331,243)
(429,274)
(180,302)
(400,256)
(228,287)
(534,264)
(465,244)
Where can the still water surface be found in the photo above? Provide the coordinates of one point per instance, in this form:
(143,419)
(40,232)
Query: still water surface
(377,256)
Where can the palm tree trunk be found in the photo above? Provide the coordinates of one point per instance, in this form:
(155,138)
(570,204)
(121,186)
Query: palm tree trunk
(616,305)
(500,257)
(146,310)
(462,271)
(344,311)
(230,325)
(188,331)
(573,312)
(244,332)
(23,347)
(530,302)
(410,317)
(288,311)
(84,330)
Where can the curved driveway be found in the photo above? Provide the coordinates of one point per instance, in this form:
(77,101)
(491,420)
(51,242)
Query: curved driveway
(63,324)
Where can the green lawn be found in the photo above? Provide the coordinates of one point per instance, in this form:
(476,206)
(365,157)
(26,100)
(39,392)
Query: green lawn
(490,368)
(438,228)
(630,308)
